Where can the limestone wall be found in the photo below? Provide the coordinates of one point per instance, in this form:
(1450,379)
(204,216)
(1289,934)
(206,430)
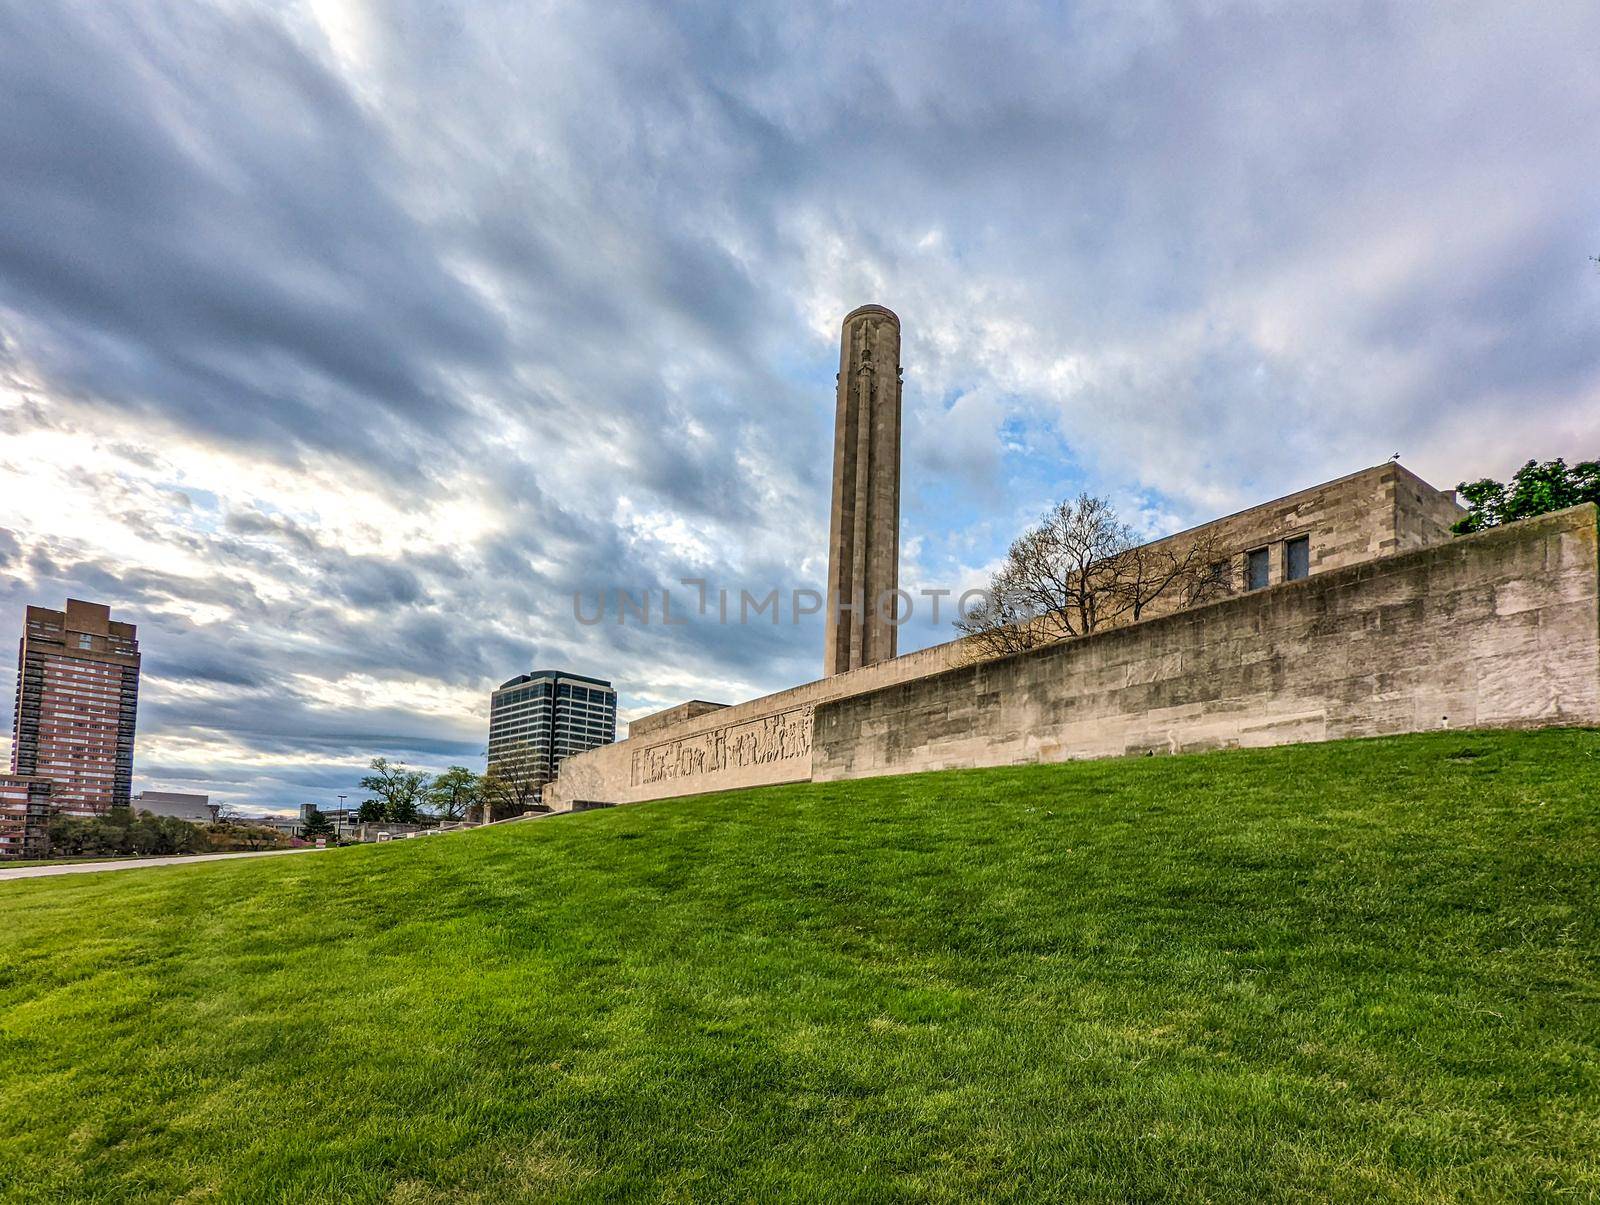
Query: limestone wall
(1367,514)
(757,743)
(1499,629)
(657,720)
(1423,515)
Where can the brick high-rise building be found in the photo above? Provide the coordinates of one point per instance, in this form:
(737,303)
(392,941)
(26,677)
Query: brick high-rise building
(24,816)
(77,694)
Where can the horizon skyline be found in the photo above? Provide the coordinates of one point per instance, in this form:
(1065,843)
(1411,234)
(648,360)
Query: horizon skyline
(288,808)
(337,352)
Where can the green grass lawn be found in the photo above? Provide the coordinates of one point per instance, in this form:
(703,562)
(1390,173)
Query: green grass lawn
(1368,969)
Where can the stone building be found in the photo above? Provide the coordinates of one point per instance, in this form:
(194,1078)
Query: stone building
(1496,630)
(1358,520)
(1355,518)
(692,710)
(1354,611)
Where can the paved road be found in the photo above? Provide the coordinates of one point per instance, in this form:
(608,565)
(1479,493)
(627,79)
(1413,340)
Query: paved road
(35,872)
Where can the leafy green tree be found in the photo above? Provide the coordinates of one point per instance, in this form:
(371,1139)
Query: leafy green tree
(67,835)
(397,793)
(142,838)
(455,793)
(316,824)
(118,832)
(175,836)
(1536,489)
(164,835)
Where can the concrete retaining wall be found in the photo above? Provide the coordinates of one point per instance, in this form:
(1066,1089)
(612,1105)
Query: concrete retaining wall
(1499,629)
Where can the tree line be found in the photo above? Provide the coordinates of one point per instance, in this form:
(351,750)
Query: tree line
(1535,489)
(397,794)
(119,831)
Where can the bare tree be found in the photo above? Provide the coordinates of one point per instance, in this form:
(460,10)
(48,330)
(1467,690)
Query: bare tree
(514,784)
(1081,570)
(1182,574)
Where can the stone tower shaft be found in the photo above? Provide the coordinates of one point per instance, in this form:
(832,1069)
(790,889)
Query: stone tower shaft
(864,529)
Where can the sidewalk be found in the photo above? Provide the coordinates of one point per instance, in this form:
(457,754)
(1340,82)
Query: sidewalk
(35,872)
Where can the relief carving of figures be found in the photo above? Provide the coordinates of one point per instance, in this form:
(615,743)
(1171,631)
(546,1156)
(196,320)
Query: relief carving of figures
(752,743)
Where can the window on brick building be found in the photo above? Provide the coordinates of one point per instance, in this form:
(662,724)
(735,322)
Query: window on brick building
(1297,558)
(1255,569)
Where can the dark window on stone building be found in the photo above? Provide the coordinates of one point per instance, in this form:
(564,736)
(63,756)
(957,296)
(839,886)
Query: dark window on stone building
(1297,558)
(1255,569)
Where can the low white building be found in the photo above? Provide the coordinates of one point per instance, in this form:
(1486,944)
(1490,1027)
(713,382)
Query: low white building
(196,809)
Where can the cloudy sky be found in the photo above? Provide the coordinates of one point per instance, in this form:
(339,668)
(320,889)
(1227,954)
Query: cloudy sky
(341,342)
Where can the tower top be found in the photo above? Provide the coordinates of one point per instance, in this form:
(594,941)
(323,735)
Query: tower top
(872,309)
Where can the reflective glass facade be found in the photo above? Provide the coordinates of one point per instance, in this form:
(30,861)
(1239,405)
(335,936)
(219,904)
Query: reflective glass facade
(536,720)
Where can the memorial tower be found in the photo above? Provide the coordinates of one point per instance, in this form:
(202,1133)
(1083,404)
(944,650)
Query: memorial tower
(864,531)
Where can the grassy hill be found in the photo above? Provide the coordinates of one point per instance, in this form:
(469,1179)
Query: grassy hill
(1350,970)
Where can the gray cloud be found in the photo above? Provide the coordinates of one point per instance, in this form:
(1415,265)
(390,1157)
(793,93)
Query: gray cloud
(226,247)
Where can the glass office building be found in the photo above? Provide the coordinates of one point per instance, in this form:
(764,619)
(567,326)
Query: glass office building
(537,720)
